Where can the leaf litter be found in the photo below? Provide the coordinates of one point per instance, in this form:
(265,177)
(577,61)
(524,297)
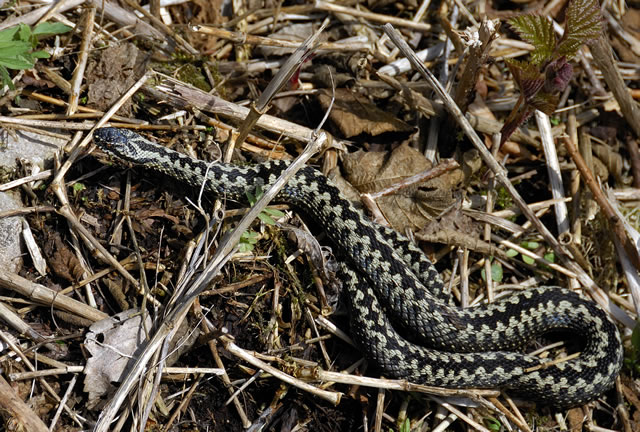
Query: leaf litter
(270,301)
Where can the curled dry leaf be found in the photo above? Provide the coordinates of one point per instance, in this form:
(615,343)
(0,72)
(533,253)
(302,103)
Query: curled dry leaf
(411,207)
(115,288)
(321,257)
(62,261)
(611,159)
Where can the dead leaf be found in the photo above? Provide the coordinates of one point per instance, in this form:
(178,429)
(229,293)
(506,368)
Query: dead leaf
(321,257)
(353,115)
(412,207)
(62,261)
(111,343)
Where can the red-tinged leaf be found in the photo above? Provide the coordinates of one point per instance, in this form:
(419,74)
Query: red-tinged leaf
(538,31)
(527,77)
(558,73)
(520,113)
(584,24)
(545,102)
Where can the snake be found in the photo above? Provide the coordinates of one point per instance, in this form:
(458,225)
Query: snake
(399,313)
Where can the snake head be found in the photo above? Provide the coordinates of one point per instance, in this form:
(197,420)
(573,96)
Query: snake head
(122,143)
(112,140)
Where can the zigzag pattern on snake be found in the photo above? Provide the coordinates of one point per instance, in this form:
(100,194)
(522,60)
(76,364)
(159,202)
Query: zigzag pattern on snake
(398,316)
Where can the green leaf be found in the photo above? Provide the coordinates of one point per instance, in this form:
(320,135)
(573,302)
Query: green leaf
(538,31)
(259,191)
(48,28)
(527,76)
(492,424)
(550,256)
(245,247)
(406,426)
(8,34)
(250,237)
(531,245)
(78,187)
(24,32)
(274,212)
(545,102)
(584,24)
(511,253)
(14,48)
(635,339)
(40,54)
(250,197)
(528,259)
(266,218)
(6,79)
(15,62)
(496,272)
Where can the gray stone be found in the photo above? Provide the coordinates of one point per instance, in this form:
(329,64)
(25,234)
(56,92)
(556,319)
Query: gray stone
(10,229)
(35,148)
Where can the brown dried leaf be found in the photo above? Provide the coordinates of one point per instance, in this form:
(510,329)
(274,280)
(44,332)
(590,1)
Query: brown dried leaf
(576,419)
(413,206)
(63,262)
(321,258)
(354,115)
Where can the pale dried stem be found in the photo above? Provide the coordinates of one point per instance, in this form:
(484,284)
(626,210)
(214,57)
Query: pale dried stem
(380,18)
(603,58)
(48,297)
(63,402)
(165,28)
(78,73)
(17,411)
(517,418)
(553,170)
(8,341)
(260,107)
(243,38)
(182,96)
(13,320)
(38,13)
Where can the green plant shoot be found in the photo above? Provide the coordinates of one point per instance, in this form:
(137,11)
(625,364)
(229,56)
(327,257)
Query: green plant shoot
(18,47)
(547,73)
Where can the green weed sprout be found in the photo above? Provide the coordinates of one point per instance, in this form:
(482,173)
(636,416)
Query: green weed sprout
(18,44)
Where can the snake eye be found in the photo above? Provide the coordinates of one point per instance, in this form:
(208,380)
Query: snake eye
(109,138)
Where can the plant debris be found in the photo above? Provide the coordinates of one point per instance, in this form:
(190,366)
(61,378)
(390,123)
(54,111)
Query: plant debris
(116,253)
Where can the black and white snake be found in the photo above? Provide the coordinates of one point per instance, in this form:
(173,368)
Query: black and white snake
(398,315)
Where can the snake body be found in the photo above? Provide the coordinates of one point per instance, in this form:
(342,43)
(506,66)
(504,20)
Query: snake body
(398,314)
